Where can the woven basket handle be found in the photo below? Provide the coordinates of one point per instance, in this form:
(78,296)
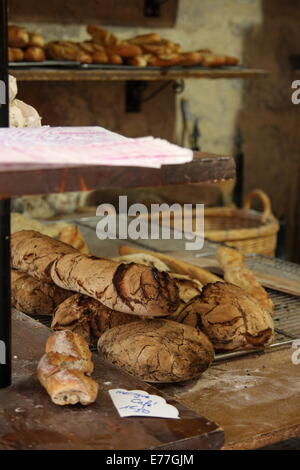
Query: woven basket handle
(265,200)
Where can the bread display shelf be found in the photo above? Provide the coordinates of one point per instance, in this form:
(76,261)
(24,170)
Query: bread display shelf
(204,168)
(136,73)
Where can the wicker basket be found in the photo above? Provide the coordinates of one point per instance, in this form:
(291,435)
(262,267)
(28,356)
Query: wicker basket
(248,230)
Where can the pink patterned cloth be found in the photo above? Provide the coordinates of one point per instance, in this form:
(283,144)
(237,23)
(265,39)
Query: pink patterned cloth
(69,146)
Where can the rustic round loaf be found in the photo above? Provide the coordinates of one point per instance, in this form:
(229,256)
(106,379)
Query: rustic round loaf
(230,317)
(158,350)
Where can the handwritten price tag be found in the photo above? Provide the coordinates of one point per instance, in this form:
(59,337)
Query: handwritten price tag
(140,403)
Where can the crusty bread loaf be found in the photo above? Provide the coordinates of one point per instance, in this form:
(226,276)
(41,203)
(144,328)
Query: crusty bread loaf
(35,297)
(62,370)
(128,288)
(237,273)
(230,317)
(34,253)
(158,350)
(87,316)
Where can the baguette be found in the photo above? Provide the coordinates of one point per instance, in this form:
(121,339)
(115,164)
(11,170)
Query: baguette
(189,59)
(124,50)
(102,36)
(211,60)
(167,60)
(128,288)
(67,50)
(72,236)
(63,371)
(175,265)
(143,39)
(35,297)
(236,272)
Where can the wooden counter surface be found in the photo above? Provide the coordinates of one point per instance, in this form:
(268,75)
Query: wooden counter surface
(256,399)
(29,420)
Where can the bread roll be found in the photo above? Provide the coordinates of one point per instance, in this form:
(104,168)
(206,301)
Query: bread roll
(35,297)
(230,318)
(36,40)
(99,57)
(62,370)
(15,54)
(34,54)
(115,59)
(159,351)
(17,36)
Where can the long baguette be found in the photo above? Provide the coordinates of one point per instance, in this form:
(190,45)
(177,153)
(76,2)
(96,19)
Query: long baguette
(130,288)
(180,267)
(35,297)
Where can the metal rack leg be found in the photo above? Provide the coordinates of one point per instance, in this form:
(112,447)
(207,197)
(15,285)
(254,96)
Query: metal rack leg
(5,307)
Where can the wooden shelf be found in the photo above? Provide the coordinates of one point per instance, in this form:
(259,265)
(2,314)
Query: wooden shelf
(36,74)
(204,168)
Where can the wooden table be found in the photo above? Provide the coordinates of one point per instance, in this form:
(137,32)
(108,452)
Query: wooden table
(29,420)
(255,398)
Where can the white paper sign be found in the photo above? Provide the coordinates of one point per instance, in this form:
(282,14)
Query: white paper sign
(140,403)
